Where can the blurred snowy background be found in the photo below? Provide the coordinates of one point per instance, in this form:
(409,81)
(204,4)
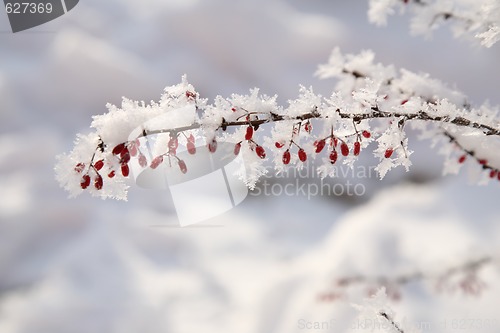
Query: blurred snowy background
(86,265)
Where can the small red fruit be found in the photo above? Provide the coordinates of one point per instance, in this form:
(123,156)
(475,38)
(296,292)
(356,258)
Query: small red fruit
(279,144)
(249,133)
(333,157)
(111,174)
(286,157)
(79,167)
(319,145)
(182,166)
(261,152)
(493,173)
(233,109)
(483,161)
(85,182)
(237,148)
(366,134)
(125,170)
(190,145)
(156,161)
(173,143)
(118,149)
(142,160)
(403,102)
(191,148)
(98,165)
(357,148)
(461,159)
(133,148)
(308,127)
(388,153)
(335,142)
(344,149)
(98,182)
(212,146)
(302,155)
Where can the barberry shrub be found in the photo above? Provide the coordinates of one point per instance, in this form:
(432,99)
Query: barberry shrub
(371,109)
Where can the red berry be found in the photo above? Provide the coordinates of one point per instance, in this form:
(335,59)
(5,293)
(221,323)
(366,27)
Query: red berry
(79,167)
(190,145)
(286,157)
(483,161)
(124,151)
(173,143)
(403,102)
(190,95)
(308,127)
(335,142)
(388,153)
(85,182)
(279,144)
(182,166)
(191,148)
(498,175)
(357,148)
(111,174)
(260,151)
(319,145)
(125,170)
(233,109)
(344,149)
(99,164)
(98,182)
(366,134)
(249,133)
(493,173)
(462,158)
(333,157)
(118,149)
(302,155)
(133,148)
(237,148)
(142,160)
(212,146)
(156,161)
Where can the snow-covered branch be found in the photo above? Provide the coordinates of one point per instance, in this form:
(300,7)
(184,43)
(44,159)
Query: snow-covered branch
(372,103)
(463,277)
(479,18)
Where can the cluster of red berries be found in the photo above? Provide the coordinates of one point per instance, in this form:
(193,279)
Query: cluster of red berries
(259,150)
(320,144)
(173,144)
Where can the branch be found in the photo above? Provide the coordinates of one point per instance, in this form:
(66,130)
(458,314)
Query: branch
(467,271)
(391,321)
(370,94)
(481,18)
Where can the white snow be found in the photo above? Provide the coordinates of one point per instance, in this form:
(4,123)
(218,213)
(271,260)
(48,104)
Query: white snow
(86,265)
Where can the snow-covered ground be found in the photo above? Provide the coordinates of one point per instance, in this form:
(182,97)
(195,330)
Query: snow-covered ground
(86,265)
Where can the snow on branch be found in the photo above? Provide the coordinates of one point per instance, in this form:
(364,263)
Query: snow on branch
(481,18)
(372,105)
(376,315)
